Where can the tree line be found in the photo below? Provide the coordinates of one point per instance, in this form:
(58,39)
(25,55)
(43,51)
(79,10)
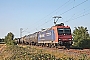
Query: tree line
(81,38)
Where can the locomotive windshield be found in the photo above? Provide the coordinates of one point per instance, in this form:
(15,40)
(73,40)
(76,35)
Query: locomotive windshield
(64,31)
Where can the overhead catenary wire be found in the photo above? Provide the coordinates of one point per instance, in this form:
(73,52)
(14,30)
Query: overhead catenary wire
(64,12)
(71,17)
(42,24)
(78,13)
(74,3)
(71,9)
(84,11)
(74,7)
(51,13)
(54,11)
(78,16)
(81,16)
(66,6)
(75,18)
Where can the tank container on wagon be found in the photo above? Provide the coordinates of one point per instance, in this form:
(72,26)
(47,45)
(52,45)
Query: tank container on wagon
(33,38)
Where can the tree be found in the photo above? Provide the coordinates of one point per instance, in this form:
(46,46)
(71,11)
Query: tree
(9,39)
(81,37)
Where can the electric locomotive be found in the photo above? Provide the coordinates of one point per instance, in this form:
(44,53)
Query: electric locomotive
(56,35)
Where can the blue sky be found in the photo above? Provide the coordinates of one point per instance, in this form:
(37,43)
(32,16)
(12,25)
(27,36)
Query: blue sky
(33,15)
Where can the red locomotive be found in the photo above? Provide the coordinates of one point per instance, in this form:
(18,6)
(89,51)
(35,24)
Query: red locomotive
(63,35)
(56,35)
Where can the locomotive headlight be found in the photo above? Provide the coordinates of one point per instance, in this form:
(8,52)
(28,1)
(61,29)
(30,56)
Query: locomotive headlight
(69,39)
(59,39)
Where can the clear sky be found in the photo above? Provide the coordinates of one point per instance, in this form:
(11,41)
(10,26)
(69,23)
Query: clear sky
(32,15)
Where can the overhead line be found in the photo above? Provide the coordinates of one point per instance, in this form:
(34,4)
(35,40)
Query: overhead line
(81,16)
(77,15)
(43,24)
(55,10)
(73,7)
(65,11)
(70,18)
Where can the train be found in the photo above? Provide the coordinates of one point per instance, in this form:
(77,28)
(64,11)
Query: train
(58,35)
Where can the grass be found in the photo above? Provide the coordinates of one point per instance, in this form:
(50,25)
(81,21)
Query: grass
(34,53)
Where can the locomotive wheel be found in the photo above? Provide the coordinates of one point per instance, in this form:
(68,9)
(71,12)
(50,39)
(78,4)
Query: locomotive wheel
(50,45)
(56,45)
(67,47)
(47,45)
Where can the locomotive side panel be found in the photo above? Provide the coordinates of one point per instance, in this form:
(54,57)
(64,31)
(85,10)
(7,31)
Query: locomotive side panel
(46,36)
(56,33)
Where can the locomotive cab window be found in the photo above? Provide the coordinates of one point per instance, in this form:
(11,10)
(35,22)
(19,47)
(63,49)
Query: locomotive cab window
(62,31)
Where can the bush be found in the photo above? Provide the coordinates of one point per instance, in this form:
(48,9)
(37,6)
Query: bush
(85,43)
